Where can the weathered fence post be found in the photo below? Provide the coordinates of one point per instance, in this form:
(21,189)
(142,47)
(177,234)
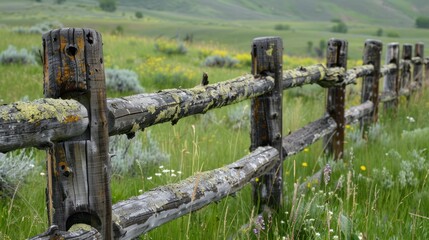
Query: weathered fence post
(266,118)
(78,170)
(418,65)
(391,81)
(335,105)
(426,78)
(407,50)
(372,55)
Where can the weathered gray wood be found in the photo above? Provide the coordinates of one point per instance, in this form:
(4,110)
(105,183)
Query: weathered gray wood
(153,208)
(40,122)
(405,77)
(304,137)
(129,114)
(388,69)
(336,97)
(372,55)
(391,81)
(54,233)
(78,170)
(426,78)
(266,119)
(418,65)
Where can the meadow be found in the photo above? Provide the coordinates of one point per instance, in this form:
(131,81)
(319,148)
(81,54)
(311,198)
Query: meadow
(379,190)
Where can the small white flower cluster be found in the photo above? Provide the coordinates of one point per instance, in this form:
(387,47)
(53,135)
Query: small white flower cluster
(168,172)
(410,119)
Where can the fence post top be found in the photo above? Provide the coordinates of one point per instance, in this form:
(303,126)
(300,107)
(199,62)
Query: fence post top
(374,42)
(337,41)
(273,38)
(393,45)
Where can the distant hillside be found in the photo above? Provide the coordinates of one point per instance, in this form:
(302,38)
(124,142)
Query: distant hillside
(383,12)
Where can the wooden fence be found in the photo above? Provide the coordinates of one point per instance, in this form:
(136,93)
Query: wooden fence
(74,122)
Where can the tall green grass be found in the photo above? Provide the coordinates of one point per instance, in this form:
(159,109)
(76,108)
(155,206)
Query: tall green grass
(356,202)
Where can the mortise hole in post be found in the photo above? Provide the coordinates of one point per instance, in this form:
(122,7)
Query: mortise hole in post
(83,218)
(71,50)
(89,38)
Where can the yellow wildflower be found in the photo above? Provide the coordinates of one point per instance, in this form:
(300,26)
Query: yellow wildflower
(305,164)
(363,167)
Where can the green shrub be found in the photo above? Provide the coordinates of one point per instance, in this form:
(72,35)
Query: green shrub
(379,32)
(123,80)
(14,167)
(130,155)
(239,117)
(393,34)
(281,27)
(220,61)
(339,27)
(107,5)
(139,14)
(119,30)
(12,56)
(171,48)
(422,22)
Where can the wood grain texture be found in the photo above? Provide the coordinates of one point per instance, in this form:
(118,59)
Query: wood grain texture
(370,83)
(336,97)
(266,119)
(405,67)
(78,170)
(418,65)
(391,84)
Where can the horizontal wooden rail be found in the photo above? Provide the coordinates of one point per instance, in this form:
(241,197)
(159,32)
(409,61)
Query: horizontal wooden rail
(129,114)
(140,214)
(304,137)
(388,69)
(41,122)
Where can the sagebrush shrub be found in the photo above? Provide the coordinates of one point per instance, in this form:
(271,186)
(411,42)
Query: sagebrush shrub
(220,61)
(129,155)
(171,48)
(14,167)
(123,80)
(239,117)
(14,56)
(38,28)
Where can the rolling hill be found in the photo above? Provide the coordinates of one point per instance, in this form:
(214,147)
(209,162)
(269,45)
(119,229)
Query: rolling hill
(401,13)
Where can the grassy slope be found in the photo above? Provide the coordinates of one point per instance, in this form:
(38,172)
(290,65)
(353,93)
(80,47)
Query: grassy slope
(395,12)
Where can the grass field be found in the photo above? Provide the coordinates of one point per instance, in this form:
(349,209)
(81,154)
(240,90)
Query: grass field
(379,190)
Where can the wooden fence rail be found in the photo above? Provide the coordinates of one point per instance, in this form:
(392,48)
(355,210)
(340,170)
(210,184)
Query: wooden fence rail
(74,121)
(44,121)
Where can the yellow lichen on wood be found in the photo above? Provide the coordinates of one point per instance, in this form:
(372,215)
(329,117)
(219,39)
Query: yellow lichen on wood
(64,111)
